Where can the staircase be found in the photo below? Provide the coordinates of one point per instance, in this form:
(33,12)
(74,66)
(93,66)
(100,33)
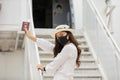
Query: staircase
(88,69)
(11,40)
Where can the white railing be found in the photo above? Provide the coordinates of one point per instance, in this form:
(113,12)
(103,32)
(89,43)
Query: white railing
(31,50)
(105,47)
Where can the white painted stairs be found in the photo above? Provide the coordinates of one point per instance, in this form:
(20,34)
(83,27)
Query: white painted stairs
(88,69)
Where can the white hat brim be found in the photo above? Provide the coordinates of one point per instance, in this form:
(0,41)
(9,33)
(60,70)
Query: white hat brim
(56,31)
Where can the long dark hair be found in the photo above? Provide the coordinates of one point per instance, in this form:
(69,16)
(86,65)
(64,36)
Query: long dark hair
(58,47)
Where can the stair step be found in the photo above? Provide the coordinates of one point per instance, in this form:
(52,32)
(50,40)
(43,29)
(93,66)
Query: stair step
(82,59)
(87,68)
(81,74)
(51,55)
(84,76)
(45,61)
(89,64)
(80,36)
(76,78)
(83,56)
(83,53)
(79,40)
(83,48)
(83,66)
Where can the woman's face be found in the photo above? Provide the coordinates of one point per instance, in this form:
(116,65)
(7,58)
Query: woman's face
(62,37)
(62,33)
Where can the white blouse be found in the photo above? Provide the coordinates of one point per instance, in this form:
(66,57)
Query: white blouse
(64,63)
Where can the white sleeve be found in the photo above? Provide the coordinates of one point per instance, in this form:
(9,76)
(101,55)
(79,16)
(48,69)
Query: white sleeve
(45,45)
(59,60)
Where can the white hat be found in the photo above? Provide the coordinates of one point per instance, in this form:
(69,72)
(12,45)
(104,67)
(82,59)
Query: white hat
(61,28)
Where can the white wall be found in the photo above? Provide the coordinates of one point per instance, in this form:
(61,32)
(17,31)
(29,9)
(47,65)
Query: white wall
(10,12)
(11,65)
(104,53)
(13,13)
(101,5)
(115,17)
(116,21)
(77,8)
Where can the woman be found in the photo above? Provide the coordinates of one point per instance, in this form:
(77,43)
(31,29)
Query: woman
(66,52)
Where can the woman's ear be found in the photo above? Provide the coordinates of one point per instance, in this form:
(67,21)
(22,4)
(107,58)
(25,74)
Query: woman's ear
(67,37)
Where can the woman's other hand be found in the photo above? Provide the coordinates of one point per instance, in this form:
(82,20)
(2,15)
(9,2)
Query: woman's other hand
(40,67)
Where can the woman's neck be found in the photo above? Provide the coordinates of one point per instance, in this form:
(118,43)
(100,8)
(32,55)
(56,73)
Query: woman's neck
(68,43)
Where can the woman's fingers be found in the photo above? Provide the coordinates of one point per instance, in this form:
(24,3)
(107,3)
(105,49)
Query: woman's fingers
(25,29)
(39,67)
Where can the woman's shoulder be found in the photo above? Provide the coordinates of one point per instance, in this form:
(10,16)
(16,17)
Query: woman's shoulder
(70,46)
(71,49)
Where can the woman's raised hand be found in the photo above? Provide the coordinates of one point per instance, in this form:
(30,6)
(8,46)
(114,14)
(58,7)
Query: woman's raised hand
(29,35)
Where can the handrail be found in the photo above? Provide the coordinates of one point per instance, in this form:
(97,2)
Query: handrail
(30,6)
(33,33)
(32,28)
(106,29)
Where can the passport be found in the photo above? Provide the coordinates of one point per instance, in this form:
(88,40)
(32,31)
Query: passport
(25,25)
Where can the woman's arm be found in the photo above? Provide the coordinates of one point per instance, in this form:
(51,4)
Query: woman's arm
(42,43)
(29,35)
